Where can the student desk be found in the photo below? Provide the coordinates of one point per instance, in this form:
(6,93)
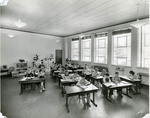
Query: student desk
(61,77)
(75,90)
(55,76)
(66,82)
(79,71)
(113,86)
(87,75)
(30,81)
(137,82)
(97,78)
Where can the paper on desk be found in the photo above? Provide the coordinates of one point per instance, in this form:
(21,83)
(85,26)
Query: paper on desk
(24,79)
(83,87)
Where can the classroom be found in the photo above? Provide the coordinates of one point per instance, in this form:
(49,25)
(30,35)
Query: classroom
(74,58)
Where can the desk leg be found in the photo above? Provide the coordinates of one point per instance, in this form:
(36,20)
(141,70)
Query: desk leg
(21,88)
(93,101)
(67,107)
(106,96)
(62,90)
(44,84)
(59,82)
(127,93)
(136,89)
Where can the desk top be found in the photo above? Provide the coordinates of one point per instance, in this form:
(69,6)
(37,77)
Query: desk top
(57,71)
(98,77)
(87,73)
(127,78)
(121,84)
(76,89)
(30,79)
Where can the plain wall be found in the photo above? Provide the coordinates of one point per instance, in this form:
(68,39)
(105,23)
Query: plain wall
(25,45)
(112,68)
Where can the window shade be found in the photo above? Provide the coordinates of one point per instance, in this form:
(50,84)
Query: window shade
(123,31)
(86,37)
(101,34)
(75,39)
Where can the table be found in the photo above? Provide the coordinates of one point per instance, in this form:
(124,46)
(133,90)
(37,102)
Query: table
(113,86)
(75,90)
(55,76)
(137,82)
(29,81)
(66,82)
(87,75)
(97,78)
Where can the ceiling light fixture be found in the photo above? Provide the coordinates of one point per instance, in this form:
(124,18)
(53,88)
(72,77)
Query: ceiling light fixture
(57,41)
(3,2)
(20,23)
(81,35)
(11,35)
(138,23)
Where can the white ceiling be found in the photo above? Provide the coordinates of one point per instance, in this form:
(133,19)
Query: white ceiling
(64,17)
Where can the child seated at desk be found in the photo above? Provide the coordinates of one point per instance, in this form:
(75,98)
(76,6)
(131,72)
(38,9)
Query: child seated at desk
(29,72)
(133,77)
(103,72)
(116,79)
(76,77)
(106,79)
(83,82)
(41,75)
(95,73)
(92,69)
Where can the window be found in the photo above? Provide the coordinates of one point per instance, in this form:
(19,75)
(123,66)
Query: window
(144,47)
(86,49)
(100,50)
(75,49)
(121,47)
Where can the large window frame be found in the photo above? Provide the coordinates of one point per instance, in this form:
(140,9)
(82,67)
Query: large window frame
(143,49)
(121,47)
(75,49)
(86,49)
(100,48)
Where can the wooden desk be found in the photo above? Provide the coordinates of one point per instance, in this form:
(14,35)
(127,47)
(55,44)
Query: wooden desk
(98,79)
(55,76)
(75,90)
(29,81)
(67,82)
(137,82)
(87,75)
(113,86)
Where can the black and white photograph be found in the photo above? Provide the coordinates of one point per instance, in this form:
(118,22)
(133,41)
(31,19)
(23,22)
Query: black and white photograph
(74,58)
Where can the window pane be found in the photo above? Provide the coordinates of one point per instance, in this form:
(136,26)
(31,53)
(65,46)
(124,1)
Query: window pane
(75,50)
(144,47)
(86,50)
(100,51)
(122,61)
(121,49)
(122,41)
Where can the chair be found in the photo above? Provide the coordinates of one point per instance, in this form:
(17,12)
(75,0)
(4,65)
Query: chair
(13,72)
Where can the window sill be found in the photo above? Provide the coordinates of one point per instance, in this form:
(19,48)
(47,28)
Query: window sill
(100,63)
(122,66)
(144,68)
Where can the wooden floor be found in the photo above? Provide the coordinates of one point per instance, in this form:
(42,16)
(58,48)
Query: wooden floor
(51,104)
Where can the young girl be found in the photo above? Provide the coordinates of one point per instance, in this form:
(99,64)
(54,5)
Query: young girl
(116,79)
(41,75)
(106,79)
(84,82)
